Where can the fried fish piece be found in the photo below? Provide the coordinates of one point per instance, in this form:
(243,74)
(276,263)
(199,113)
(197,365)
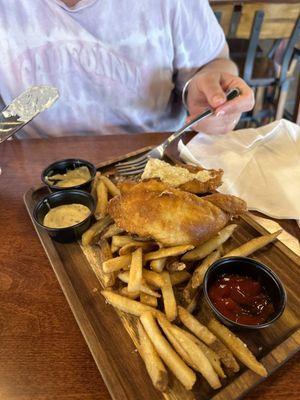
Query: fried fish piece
(168,215)
(228,203)
(189,178)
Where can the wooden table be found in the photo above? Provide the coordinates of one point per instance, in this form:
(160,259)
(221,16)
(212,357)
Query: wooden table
(43,355)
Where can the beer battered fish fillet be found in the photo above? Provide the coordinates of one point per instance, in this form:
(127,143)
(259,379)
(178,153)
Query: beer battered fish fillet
(168,215)
(189,178)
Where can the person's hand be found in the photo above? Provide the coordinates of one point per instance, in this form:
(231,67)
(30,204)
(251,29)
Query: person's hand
(208,90)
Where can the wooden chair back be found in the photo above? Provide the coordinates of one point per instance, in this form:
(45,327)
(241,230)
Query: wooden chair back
(279,20)
(224,11)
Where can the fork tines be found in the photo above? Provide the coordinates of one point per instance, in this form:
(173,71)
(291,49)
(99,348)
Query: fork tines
(132,167)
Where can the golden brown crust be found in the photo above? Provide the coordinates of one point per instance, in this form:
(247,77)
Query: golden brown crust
(126,186)
(195,186)
(168,215)
(198,187)
(190,178)
(228,203)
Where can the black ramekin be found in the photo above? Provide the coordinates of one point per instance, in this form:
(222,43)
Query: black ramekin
(247,267)
(72,233)
(61,167)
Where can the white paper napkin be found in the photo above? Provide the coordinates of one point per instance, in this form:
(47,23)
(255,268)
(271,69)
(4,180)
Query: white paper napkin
(262,165)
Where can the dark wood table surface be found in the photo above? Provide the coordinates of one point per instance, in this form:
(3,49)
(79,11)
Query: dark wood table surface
(43,355)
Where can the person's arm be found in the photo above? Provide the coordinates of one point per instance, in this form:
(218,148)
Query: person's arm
(208,88)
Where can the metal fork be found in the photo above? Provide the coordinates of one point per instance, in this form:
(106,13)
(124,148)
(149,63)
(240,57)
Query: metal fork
(137,164)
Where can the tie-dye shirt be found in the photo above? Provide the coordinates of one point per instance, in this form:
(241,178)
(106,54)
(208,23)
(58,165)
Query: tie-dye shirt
(119,65)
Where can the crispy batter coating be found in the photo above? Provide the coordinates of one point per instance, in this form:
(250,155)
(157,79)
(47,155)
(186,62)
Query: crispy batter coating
(195,186)
(228,203)
(190,178)
(168,215)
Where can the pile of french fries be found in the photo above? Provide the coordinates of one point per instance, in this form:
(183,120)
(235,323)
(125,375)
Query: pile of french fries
(162,287)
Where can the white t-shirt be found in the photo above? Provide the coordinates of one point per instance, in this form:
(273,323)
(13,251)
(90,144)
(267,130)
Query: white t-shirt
(119,65)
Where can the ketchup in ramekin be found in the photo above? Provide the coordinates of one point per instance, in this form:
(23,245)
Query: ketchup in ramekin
(241,299)
(243,293)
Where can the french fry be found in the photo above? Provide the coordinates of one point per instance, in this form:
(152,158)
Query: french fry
(111,187)
(190,290)
(183,373)
(135,273)
(125,304)
(253,245)
(117,263)
(153,278)
(209,246)
(167,252)
(175,266)
(195,326)
(92,235)
(130,247)
(114,248)
(154,365)
(105,249)
(226,356)
(176,342)
(120,241)
(189,293)
(238,348)
(102,200)
(158,265)
(168,297)
(178,277)
(108,278)
(212,356)
(124,277)
(221,250)
(166,327)
(94,185)
(148,299)
(196,358)
(142,239)
(198,275)
(193,304)
(112,230)
(132,295)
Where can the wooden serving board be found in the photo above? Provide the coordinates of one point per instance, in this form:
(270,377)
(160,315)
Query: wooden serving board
(111,335)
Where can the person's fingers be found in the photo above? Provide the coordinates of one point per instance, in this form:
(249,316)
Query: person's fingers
(210,86)
(244,102)
(216,125)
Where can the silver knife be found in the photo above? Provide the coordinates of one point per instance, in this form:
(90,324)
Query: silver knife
(25,107)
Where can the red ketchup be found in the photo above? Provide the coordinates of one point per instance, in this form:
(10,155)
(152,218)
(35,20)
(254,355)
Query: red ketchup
(241,299)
